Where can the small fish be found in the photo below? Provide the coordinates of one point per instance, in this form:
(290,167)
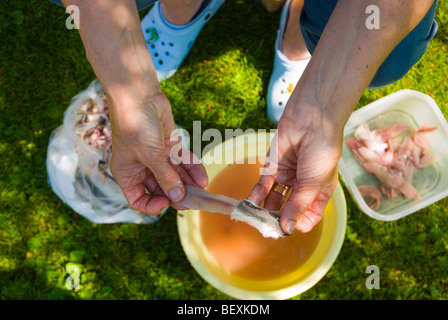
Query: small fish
(267,222)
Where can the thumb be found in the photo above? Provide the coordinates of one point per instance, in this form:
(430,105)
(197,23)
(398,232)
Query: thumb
(166,176)
(296,209)
(306,206)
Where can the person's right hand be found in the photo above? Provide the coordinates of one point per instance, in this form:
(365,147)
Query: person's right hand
(141,147)
(304,156)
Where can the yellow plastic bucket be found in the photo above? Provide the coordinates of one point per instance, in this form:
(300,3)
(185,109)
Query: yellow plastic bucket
(296,282)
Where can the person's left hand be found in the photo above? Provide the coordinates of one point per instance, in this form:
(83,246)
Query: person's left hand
(304,156)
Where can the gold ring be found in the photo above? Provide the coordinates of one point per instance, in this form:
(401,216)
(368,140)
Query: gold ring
(282,189)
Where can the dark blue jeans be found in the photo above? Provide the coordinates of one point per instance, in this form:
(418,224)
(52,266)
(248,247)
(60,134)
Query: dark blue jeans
(316,13)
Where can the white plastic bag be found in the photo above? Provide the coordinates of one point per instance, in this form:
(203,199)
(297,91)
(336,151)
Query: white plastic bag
(78,159)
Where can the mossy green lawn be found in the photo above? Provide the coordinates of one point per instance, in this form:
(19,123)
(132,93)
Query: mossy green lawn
(222,83)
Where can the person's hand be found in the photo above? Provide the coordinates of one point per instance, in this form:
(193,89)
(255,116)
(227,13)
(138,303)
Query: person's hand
(304,156)
(141,148)
(140,115)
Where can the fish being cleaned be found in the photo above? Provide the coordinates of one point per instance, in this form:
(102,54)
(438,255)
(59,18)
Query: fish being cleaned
(267,222)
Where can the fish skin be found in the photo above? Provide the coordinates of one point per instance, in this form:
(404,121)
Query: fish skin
(265,221)
(200,199)
(371,192)
(391,131)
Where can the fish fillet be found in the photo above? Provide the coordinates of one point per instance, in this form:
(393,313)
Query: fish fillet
(392,154)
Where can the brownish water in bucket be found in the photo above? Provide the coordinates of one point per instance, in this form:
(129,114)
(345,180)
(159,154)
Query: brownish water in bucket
(239,248)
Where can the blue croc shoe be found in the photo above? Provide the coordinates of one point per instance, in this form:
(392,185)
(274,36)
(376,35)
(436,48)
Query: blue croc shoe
(285,74)
(169,44)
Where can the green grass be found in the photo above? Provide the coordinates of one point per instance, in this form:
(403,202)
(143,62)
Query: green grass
(222,83)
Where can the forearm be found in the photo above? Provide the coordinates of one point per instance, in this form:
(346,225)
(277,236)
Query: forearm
(116,49)
(348,56)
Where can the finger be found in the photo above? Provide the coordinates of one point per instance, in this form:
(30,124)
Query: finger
(308,220)
(180,155)
(274,201)
(261,190)
(314,214)
(316,209)
(166,176)
(297,204)
(185,176)
(139,199)
(307,207)
(150,204)
(152,186)
(196,170)
(154,189)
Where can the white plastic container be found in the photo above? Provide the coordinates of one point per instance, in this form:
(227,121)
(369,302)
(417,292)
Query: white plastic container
(414,109)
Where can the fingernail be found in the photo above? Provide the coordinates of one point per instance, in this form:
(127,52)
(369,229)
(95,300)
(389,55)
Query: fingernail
(176,194)
(290,226)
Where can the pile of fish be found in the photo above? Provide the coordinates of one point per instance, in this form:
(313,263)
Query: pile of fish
(93,127)
(392,154)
